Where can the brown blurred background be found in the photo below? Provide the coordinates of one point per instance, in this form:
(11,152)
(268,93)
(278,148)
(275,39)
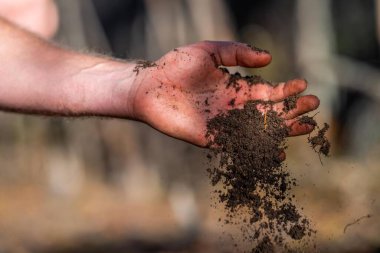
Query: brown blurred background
(100,185)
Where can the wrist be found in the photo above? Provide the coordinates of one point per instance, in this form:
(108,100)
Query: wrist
(104,88)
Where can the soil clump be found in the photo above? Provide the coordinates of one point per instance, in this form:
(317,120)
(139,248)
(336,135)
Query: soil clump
(319,143)
(255,183)
(290,103)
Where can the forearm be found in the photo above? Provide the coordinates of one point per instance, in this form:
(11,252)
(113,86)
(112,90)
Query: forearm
(38,77)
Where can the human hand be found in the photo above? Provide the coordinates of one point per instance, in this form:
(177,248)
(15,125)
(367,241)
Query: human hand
(179,93)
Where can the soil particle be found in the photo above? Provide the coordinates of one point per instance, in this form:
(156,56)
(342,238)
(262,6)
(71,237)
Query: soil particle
(320,143)
(297,232)
(224,70)
(234,79)
(290,103)
(255,79)
(256,49)
(206,102)
(265,246)
(143,64)
(307,120)
(232,102)
(213,57)
(246,144)
(251,171)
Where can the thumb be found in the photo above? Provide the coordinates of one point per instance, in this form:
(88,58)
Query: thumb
(226,53)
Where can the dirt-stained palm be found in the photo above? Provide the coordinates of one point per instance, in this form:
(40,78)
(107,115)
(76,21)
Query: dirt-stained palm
(178,93)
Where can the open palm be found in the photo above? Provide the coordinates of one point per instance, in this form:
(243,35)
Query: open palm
(186,87)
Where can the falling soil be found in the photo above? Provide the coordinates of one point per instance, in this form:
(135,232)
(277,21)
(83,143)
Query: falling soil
(247,145)
(319,143)
(265,246)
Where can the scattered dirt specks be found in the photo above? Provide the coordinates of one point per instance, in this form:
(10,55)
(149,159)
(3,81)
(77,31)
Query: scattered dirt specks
(143,64)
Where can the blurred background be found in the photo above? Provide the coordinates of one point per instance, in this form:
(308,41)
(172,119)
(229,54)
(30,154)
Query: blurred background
(101,185)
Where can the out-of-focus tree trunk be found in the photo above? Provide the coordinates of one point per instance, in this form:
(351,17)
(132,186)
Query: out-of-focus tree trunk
(315,49)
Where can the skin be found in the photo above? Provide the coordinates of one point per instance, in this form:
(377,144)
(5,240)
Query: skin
(37,16)
(186,88)
(39,77)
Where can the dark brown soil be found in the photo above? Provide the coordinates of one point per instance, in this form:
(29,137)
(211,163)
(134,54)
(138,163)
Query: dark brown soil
(250,80)
(290,103)
(259,50)
(307,120)
(319,142)
(265,246)
(247,145)
(143,64)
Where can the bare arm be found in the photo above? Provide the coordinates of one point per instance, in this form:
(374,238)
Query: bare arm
(39,77)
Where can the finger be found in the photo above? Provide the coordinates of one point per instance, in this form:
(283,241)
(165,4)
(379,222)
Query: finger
(296,128)
(284,90)
(303,105)
(235,54)
(267,92)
